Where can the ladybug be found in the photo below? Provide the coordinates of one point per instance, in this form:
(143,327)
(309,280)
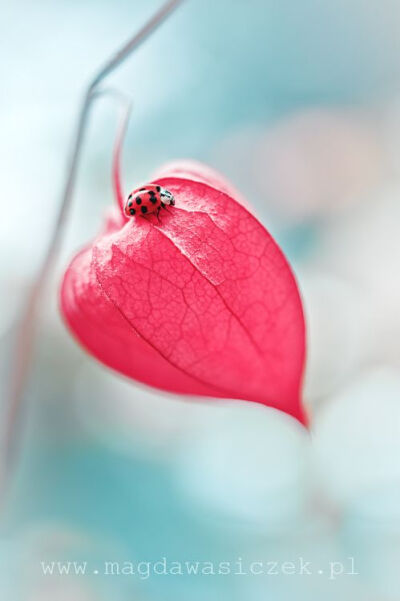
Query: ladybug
(147,200)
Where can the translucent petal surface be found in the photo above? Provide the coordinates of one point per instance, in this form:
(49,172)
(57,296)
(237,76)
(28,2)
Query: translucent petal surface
(203,303)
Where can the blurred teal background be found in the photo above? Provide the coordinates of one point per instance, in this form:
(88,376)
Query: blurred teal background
(298,104)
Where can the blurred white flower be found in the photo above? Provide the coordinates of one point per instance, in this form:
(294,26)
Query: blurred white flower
(338,325)
(129,417)
(357,442)
(246,464)
(364,248)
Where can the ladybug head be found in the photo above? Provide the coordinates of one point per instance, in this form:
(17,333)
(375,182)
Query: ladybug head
(167,197)
(129,209)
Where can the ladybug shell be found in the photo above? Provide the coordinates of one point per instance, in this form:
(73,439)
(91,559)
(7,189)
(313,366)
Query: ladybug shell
(144,201)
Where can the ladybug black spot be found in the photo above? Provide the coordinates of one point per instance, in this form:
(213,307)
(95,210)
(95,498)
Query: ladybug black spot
(130,196)
(153,199)
(142,189)
(158,188)
(130,204)
(138,200)
(144,209)
(152,193)
(132,211)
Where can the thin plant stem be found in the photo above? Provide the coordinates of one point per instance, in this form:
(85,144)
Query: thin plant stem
(23,349)
(125,102)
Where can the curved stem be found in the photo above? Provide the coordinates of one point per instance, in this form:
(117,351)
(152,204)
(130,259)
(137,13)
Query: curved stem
(20,363)
(126,109)
(116,164)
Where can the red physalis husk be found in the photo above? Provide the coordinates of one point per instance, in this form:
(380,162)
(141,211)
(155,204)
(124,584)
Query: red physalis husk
(203,303)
